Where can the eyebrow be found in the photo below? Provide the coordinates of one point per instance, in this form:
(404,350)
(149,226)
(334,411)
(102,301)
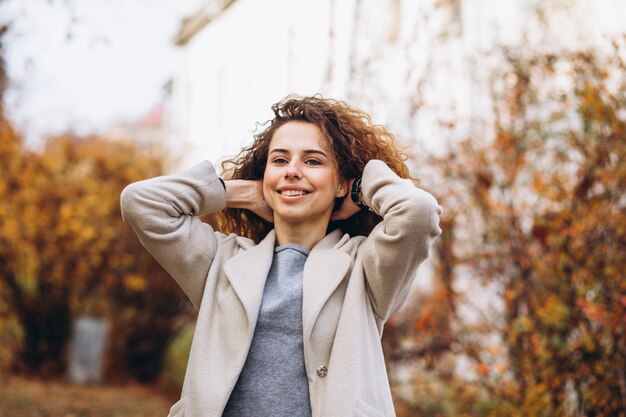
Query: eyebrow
(307,151)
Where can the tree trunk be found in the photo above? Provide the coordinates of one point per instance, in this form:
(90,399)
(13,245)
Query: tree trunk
(47,328)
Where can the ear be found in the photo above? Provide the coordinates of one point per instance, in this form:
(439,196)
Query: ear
(342,190)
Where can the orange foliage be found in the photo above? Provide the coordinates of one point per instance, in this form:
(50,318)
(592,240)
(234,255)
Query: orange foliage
(538,213)
(64,251)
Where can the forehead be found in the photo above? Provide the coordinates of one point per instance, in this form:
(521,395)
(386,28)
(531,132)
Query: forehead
(295,136)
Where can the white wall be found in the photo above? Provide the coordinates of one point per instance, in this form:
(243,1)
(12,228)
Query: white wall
(411,64)
(233,70)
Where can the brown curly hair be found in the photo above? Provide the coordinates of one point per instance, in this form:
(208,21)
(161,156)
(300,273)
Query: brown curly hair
(354,140)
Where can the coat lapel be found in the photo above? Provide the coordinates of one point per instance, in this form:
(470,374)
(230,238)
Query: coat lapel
(324,270)
(247,272)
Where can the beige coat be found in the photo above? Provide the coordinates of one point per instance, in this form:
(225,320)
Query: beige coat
(351,285)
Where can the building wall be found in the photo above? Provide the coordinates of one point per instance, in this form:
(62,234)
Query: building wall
(232,71)
(416,66)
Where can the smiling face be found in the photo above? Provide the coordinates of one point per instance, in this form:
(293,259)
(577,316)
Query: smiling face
(301,180)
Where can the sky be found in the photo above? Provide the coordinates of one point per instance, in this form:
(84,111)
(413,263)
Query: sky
(82,65)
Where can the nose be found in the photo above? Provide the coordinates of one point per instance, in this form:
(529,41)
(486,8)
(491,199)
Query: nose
(292,170)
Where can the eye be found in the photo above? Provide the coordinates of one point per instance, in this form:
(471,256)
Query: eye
(313,162)
(279,160)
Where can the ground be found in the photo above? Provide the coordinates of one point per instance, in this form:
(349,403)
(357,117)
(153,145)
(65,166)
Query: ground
(21,397)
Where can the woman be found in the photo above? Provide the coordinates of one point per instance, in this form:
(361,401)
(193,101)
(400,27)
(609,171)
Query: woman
(319,243)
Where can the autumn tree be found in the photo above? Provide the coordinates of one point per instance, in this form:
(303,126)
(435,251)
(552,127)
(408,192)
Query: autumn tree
(536,218)
(64,251)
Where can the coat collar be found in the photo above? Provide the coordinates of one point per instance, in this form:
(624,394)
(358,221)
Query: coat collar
(325,268)
(247,272)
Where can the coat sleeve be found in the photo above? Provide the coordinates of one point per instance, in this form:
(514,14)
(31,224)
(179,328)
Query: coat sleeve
(401,242)
(164,211)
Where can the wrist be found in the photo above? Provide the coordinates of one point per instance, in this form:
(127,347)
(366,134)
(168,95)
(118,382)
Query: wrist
(240,193)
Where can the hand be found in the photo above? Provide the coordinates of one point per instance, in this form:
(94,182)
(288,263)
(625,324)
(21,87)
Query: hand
(248,194)
(259,206)
(347,208)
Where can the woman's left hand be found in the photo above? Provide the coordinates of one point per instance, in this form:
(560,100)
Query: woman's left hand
(347,208)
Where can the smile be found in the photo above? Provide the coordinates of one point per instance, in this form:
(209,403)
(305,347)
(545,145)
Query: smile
(292,193)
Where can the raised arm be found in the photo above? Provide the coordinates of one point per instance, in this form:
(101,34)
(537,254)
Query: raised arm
(164,211)
(401,242)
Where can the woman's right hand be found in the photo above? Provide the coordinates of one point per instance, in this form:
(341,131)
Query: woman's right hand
(248,194)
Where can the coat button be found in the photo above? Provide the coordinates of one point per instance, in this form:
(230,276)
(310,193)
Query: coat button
(322,371)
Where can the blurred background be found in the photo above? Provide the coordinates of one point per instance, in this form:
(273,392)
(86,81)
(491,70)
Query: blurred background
(514,114)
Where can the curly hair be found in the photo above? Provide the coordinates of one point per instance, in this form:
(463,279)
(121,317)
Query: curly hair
(354,141)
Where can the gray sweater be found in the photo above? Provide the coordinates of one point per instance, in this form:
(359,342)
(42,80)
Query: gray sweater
(273,381)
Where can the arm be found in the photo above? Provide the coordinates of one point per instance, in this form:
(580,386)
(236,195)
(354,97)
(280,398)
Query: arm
(401,242)
(164,211)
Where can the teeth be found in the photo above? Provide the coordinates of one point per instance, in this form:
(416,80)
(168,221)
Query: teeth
(292,193)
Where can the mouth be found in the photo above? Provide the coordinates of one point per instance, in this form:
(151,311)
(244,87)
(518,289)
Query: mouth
(292,193)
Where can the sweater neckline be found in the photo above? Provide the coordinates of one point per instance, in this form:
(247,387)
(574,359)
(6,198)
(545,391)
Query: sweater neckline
(292,246)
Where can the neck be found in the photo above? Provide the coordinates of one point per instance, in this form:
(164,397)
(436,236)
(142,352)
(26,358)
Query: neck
(301,234)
